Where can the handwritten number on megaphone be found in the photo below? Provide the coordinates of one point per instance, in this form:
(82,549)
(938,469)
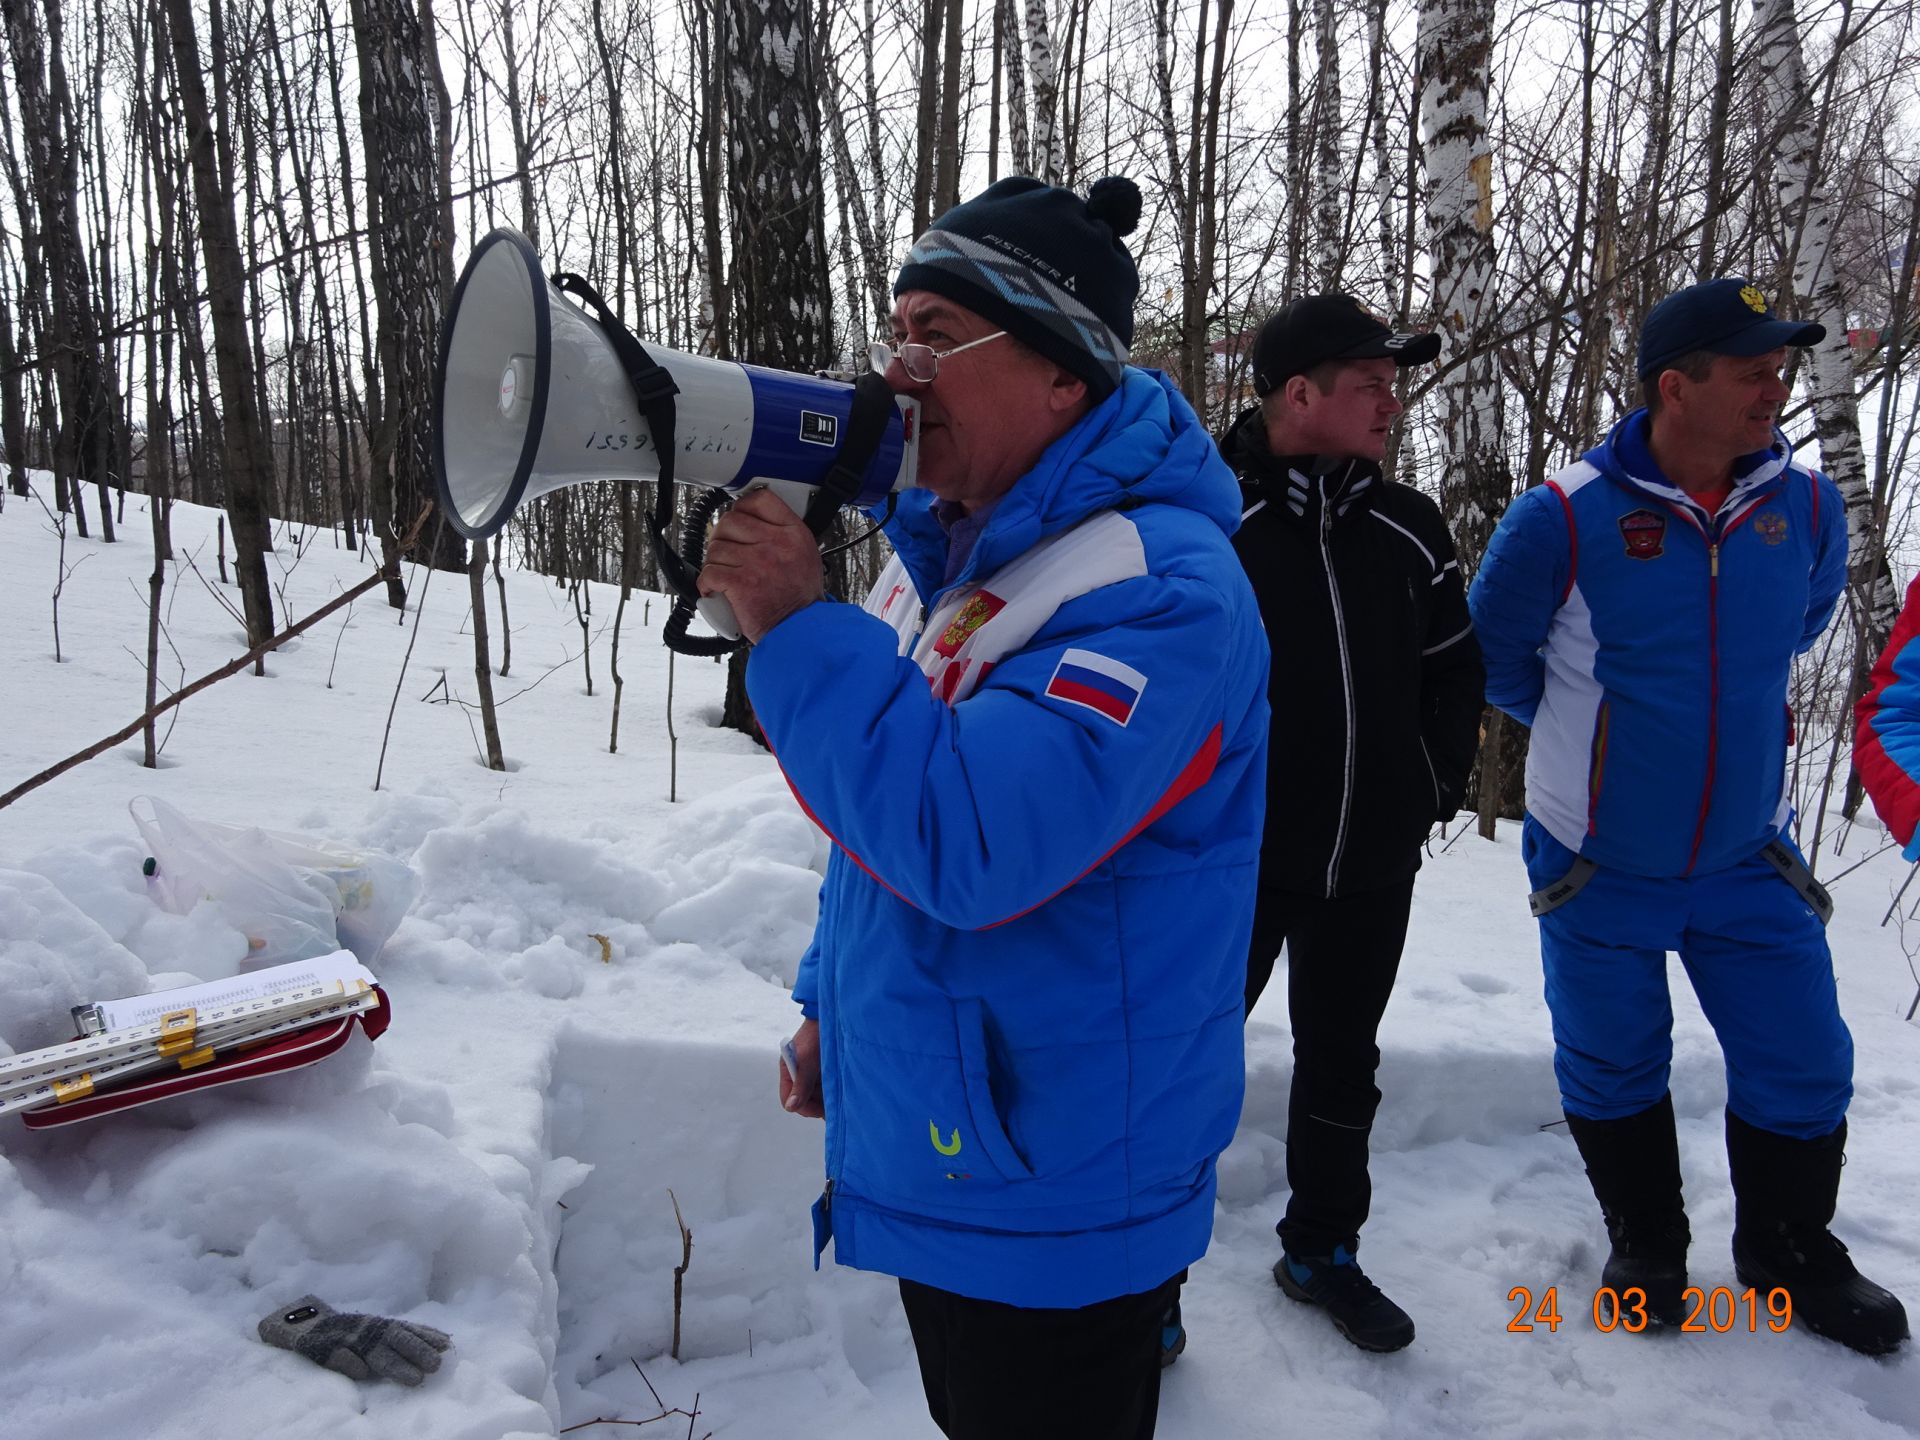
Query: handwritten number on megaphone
(764,561)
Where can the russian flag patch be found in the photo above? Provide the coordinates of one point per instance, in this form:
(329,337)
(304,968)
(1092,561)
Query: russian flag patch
(1097,682)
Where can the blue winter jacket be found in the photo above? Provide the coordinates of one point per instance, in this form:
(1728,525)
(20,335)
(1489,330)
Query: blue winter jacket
(1044,783)
(1648,644)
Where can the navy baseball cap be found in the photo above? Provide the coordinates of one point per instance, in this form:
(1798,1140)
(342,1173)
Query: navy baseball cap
(1729,316)
(1307,332)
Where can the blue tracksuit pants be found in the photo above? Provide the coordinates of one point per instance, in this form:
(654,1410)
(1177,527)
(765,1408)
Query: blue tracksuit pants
(1758,959)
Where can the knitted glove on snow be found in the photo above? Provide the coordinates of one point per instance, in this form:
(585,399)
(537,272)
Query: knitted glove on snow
(362,1347)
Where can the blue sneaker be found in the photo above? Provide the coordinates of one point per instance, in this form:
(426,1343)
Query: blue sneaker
(1338,1285)
(1173,1336)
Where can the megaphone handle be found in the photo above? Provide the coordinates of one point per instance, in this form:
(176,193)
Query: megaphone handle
(714,609)
(718,614)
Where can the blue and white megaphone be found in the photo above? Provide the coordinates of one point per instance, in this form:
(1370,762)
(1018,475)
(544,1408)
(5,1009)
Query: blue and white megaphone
(535,393)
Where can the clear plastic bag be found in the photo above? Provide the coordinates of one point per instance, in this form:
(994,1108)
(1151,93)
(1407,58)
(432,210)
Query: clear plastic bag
(292,896)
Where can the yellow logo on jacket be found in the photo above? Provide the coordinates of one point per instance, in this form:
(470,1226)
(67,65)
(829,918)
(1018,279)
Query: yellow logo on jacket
(951,1146)
(976,612)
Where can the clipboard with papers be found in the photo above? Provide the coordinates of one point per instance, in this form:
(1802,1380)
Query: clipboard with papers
(143,1048)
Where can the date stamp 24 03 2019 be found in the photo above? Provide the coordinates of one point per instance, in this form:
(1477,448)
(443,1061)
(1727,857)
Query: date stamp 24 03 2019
(1718,1311)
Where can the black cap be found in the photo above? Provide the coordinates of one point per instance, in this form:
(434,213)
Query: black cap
(1728,316)
(1309,331)
(1045,266)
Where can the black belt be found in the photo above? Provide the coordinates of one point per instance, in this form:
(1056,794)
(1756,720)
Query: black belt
(1776,853)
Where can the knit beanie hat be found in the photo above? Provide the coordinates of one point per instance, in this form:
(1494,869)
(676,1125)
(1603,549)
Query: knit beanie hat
(1043,265)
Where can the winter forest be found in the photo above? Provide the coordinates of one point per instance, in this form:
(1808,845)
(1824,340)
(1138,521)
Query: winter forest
(232,228)
(229,232)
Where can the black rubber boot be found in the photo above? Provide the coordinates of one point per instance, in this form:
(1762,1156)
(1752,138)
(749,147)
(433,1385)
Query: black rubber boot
(1633,1165)
(1784,1192)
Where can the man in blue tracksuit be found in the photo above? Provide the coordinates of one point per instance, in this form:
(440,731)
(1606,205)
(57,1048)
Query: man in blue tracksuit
(1039,748)
(1641,612)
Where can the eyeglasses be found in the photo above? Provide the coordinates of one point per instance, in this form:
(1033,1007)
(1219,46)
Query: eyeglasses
(921,362)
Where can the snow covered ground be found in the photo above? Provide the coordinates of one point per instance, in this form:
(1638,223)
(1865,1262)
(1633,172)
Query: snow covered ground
(499,1164)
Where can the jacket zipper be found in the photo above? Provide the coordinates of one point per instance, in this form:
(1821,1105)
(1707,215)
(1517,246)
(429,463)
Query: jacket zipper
(1713,691)
(1346,687)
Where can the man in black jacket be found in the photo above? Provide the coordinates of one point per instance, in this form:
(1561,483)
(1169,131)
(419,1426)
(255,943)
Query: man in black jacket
(1376,695)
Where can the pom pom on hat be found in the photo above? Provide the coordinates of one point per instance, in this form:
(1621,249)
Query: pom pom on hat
(1115,200)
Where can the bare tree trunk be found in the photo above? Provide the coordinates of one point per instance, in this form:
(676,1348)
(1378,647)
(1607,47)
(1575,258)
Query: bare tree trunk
(248,468)
(932,13)
(872,258)
(482,663)
(13,407)
(773,177)
(1376,134)
(517,123)
(1007,28)
(71,337)
(1716,141)
(710,44)
(946,169)
(411,270)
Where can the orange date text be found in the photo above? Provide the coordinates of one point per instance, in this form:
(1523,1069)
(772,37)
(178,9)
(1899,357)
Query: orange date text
(1718,1311)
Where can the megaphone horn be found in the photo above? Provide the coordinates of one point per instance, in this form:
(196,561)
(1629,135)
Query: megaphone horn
(534,393)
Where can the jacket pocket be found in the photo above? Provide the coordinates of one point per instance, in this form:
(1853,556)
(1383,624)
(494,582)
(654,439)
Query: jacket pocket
(970,1020)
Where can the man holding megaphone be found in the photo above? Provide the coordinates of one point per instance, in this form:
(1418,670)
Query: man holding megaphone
(1039,747)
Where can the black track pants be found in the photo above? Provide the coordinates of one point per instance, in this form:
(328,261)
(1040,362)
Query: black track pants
(1342,956)
(1001,1372)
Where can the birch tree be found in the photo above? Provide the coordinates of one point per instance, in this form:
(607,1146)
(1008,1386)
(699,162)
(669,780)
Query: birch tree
(1454,52)
(1049,156)
(1797,127)
(1328,212)
(1013,56)
(1455,45)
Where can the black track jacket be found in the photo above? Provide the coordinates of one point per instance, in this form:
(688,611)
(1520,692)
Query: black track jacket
(1376,679)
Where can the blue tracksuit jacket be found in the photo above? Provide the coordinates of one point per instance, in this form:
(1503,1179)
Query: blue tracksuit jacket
(1044,783)
(1648,644)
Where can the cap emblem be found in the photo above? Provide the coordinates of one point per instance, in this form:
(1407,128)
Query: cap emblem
(1756,302)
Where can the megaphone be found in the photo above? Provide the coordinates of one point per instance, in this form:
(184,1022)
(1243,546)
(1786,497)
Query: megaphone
(534,393)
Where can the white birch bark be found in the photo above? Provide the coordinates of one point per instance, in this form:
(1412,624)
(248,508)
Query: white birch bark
(1049,155)
(1454,49)
(1327,208)
(1012,52)
(1809,215)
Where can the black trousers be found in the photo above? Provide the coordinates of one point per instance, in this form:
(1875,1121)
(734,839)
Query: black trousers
(1002,1372)
(1342,956)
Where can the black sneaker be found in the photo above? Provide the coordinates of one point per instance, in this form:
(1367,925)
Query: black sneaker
(1830,1296)
(1649,1255)
(1173,1336)
(1338,1285)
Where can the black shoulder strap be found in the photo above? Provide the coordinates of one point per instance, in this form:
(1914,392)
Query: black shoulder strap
(653,390)
(873,405)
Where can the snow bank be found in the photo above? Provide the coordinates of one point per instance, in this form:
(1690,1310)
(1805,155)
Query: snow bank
(587,996)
